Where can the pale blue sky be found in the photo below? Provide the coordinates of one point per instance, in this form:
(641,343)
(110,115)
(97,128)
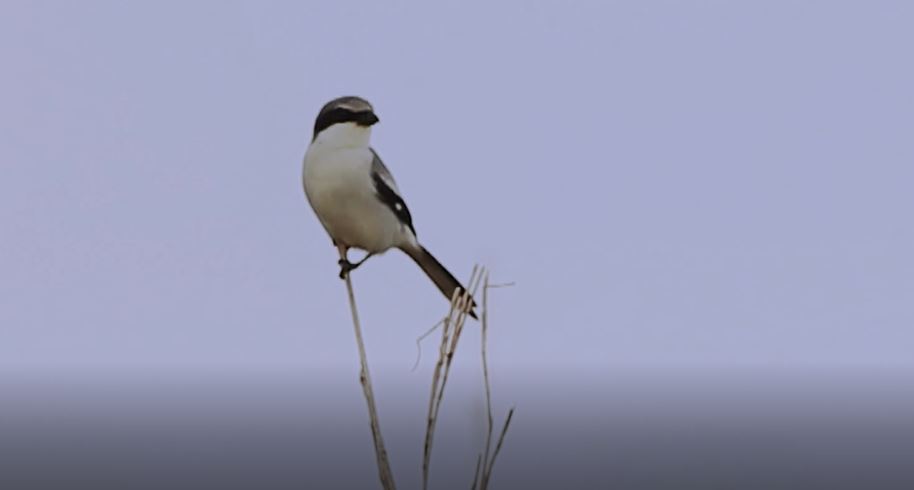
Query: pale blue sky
(668,183)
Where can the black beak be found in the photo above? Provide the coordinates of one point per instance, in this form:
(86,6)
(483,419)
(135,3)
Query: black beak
(367,118)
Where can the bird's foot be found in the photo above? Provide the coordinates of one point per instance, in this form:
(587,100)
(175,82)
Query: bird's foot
(346,267)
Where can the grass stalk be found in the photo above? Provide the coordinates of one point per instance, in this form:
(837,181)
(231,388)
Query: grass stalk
(384,473)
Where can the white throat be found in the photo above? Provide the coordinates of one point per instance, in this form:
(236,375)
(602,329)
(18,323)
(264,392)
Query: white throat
(345,135)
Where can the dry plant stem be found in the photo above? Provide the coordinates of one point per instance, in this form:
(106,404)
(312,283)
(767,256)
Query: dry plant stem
(434,399)
(476,473)
(488,464)
(501,439)
(462,302)
(419,343)
(451,328)
(386,476)
(485,365)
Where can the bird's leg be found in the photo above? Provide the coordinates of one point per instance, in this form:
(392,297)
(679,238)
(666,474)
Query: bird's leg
(346,267)
(344,260)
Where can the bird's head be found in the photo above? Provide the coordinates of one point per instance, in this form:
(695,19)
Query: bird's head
(352,111)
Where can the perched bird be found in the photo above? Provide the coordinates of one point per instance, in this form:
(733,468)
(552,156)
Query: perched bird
(355,196)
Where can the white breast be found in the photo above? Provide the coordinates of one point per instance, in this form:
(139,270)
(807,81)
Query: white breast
(338,184)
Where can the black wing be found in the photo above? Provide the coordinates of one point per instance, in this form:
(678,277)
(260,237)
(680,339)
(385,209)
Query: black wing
(387,192)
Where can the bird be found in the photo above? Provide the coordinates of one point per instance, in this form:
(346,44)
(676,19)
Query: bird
(355,196)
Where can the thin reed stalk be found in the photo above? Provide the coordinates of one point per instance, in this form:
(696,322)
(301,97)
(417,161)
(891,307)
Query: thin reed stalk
(481,481)
(451,328)
(384,473)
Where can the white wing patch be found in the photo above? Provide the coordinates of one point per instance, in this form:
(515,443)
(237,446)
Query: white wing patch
(387,192)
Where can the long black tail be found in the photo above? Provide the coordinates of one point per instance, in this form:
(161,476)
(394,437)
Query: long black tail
(442,278)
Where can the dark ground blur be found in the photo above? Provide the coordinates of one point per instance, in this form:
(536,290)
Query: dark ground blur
(291,430)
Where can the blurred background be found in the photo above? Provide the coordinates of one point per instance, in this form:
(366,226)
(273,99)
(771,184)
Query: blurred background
(705,209)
